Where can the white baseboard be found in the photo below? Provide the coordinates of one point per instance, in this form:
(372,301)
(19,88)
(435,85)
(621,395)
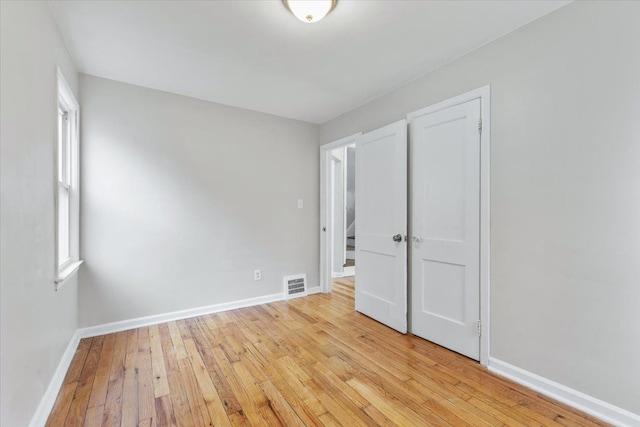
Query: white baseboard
(314,290)
(49,398)
(347,272)
(124,325)
(591,405)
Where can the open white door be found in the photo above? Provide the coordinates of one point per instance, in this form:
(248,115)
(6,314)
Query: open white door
(445,227)
(381,215)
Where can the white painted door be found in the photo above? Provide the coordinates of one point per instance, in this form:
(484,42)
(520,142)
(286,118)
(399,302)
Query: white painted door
(381,215)
(445,227)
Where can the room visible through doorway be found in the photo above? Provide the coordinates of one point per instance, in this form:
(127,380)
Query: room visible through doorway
(342,211)
(338,211)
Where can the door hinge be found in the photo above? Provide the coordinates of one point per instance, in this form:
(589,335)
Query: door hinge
(479,328)
(480,125)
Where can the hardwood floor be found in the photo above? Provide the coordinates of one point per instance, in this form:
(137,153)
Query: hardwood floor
(310,361)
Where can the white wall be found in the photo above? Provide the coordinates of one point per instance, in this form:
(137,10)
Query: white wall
(565,198)
(37,322)
(183,199)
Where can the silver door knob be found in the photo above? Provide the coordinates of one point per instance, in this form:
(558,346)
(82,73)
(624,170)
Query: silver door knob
(397,238)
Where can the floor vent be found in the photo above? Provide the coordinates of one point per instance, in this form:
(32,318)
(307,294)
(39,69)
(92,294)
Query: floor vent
(295,286)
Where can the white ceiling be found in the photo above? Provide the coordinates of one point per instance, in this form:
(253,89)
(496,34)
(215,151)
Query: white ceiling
(257,55)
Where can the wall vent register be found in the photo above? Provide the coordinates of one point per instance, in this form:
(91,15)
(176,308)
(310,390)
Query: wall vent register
(295,286)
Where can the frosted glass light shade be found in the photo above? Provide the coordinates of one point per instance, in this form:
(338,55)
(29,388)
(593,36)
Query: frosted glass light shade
(310,11)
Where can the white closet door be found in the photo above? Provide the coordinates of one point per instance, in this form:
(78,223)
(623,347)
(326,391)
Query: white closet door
(445,227)
(381,218)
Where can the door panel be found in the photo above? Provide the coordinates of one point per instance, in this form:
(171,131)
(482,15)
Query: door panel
(381,213)
(445,171)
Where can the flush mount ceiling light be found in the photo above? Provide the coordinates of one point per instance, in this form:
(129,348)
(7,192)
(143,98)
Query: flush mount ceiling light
(310,11)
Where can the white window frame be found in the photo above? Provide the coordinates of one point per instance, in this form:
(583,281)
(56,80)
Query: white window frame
(67,178)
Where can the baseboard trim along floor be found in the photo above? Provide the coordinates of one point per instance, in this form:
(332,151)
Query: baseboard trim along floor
(108,328)
(564,394)
(49,398)
(591,405)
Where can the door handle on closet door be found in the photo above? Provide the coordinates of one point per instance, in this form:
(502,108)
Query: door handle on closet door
(397,238)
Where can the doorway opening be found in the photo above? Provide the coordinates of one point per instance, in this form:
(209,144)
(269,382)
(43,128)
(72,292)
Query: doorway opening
(338,215)
(350,208)
(342,211)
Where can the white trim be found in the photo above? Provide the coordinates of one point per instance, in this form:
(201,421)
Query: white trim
(65,96)
(342,142)
(325,224)
(49,398)
(139,322)
(485,224)
(62,267)
(345,159)
(456,100)
(66,272)
(484,94)
(589,404)
(314,290)
(65,92)
(348,272)
(50,395)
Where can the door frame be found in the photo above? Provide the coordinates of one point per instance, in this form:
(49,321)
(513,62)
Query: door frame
(484,94)
(336,240)
(326,229)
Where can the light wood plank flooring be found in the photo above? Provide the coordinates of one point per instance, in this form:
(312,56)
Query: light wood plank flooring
(310,361)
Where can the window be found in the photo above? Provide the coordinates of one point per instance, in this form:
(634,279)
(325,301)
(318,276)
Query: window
(67,180)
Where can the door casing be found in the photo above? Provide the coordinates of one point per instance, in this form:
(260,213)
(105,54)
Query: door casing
(484,94)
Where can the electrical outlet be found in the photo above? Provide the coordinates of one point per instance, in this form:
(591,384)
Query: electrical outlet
(300,203)
(257,275)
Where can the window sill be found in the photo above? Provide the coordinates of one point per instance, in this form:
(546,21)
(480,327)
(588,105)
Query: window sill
(66,273)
